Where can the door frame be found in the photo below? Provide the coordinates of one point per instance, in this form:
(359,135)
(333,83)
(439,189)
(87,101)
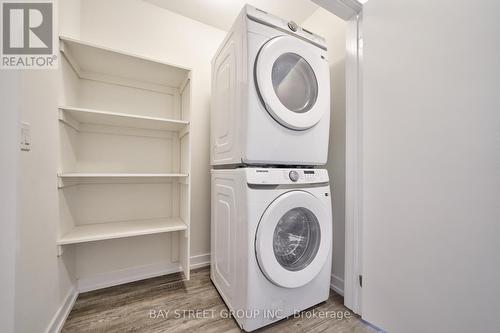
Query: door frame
(352,11)
(354,166)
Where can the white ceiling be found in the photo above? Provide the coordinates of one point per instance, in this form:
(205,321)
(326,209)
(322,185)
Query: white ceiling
(222,13)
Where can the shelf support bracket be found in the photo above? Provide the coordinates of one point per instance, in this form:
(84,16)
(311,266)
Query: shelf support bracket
(60,250)
(68,120)
(183,132)
(60,182)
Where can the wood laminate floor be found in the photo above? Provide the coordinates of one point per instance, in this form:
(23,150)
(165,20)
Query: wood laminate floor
(163,304)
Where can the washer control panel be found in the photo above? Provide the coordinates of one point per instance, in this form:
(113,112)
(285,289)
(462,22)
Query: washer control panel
(276,176)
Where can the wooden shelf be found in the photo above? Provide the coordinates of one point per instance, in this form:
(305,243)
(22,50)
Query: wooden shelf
(70,115)
(90,60)
(113,230)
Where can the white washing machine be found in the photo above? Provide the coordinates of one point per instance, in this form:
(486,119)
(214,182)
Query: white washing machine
(270,94)
(271,238)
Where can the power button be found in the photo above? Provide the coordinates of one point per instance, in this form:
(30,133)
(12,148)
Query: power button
(294,175)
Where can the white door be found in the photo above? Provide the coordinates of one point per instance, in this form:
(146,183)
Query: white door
(293,81)
(293,239)
(431,166)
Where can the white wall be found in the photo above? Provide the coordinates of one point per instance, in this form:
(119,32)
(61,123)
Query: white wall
(9,148)
(332,29)
(42,280)
(69,17)
(142,28)
(431,137)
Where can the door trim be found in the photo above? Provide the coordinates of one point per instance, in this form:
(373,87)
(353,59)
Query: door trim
(354,175)
(345,9)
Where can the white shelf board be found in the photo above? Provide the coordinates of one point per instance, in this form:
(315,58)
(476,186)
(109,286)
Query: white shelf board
(113,230)
(90,58)
(73,175)
(91,116)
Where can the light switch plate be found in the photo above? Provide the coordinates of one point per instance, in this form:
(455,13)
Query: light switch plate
(25,137)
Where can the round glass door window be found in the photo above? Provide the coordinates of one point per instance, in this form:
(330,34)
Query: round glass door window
(296,239)
(294,82)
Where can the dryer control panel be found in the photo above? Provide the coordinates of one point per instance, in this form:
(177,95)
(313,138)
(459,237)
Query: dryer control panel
(291,27)
(278,176)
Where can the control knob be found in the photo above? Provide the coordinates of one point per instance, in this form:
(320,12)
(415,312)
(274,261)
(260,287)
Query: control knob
(294,175)
(293,26)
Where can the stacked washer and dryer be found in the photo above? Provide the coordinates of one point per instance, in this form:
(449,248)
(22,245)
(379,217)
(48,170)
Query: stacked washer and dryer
(271,223)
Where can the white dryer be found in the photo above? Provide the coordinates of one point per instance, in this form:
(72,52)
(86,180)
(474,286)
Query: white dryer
(271,238)
(270,100)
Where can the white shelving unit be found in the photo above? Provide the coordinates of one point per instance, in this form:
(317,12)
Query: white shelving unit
(125,151)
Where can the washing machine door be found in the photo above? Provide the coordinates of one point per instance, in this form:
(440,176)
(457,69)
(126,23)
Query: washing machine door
(293,239)
(293,81)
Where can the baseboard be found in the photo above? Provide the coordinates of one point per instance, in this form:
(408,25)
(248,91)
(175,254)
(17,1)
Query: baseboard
(127,275)
(62,313)
(118,277)
(337,284)
(198,261)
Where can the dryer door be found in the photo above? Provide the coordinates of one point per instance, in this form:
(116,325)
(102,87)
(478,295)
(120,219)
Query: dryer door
(293,81)
(293,239)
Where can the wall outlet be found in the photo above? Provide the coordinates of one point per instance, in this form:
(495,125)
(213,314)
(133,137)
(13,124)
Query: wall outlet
(25,137)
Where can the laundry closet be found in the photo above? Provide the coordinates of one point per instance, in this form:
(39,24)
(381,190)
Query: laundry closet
(119,171)
(280,156)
